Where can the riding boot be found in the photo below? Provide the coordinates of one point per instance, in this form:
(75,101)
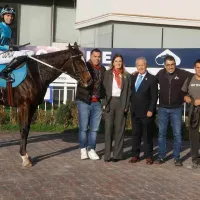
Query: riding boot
(14,63)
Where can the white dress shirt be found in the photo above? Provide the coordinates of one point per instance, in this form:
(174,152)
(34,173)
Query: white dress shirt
(116,91)
(143,75)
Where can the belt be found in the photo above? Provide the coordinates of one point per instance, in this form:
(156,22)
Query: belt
(95,99)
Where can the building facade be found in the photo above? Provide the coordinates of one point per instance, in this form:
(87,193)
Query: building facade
(138,24)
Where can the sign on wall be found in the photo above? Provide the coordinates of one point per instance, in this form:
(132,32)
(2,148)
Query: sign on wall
(185,58)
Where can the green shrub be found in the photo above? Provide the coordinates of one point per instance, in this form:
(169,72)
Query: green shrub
(44,117)
(3,115)
(67,114)
(13,116)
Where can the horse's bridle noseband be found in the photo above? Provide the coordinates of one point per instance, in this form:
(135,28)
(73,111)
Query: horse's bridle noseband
(75,72)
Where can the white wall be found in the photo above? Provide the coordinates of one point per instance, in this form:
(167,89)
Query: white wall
(169,8)
(171,12)
(88,9)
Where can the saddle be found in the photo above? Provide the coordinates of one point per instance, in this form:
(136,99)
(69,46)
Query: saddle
(18,75)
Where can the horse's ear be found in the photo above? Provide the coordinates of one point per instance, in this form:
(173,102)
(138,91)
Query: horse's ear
(69,46)
(75,45)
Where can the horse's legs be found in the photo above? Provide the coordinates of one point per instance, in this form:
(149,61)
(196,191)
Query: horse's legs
(25,113)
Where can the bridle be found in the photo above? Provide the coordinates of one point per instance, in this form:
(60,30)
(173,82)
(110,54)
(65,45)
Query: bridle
(77,74)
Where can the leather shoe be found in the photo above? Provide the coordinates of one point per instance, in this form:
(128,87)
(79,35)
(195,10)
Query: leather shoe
(149,161)
(134,160)
(116,160)
(109,160)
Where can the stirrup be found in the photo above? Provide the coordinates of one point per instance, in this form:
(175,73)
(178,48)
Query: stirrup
(7,78)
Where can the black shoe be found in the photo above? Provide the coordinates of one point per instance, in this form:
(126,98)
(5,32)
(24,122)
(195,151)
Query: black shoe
(109,160)
(195,165)
(178,163)
(116,160)
(159,161)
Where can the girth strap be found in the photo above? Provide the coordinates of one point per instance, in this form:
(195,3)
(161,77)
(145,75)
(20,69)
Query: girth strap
(10,94)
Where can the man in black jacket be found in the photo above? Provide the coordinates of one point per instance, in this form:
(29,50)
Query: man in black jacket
(143,106)
(89,107)
(171,98)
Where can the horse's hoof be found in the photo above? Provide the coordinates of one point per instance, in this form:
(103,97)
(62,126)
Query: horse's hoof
(27,163)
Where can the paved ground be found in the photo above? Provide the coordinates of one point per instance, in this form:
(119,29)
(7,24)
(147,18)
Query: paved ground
(58,173)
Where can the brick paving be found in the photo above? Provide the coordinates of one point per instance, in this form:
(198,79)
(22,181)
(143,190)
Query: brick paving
(58,172)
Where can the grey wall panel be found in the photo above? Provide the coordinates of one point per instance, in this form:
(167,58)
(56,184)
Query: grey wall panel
(181,38)
(35,25)
(96,36)
(104,29)
(103,41)
(64,25)
(137,36)
(87,37)
(103,37)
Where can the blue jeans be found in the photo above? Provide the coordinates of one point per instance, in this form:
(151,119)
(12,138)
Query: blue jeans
(89,120)
(175,116)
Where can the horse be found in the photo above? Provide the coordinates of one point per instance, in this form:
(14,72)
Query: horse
(30,93)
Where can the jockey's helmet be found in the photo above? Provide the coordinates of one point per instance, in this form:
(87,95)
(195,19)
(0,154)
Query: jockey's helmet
(7,10)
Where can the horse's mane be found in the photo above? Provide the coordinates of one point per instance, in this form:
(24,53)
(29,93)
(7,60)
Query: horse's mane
(52,54)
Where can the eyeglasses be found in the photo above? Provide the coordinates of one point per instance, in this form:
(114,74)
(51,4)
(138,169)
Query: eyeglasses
(170,65)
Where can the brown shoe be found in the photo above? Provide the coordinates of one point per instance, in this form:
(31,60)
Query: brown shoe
(134,160)
(149,161)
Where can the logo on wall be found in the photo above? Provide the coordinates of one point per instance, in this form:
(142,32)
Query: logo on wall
(160,58)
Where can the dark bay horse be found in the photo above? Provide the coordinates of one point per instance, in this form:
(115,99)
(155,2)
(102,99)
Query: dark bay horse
(30,93)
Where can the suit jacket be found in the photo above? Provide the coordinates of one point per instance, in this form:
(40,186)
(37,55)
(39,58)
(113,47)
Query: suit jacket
(125,90)
(145,99)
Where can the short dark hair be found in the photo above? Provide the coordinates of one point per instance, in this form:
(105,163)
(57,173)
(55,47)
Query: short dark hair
(197,61)
(95,50)
(168,57)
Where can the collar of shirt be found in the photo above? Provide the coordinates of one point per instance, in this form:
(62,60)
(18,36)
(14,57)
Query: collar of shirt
(143,75)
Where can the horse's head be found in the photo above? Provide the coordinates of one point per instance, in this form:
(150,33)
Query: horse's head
(78,69)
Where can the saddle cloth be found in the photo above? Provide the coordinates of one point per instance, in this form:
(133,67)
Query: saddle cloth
(18,75)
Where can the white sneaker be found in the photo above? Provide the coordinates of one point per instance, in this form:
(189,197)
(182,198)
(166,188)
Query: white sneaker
(84,154)
(92,155)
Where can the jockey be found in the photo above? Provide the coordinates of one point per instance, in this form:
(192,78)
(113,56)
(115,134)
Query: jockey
(8,15)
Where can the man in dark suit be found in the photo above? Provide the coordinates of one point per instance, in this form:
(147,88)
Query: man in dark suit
(143,106)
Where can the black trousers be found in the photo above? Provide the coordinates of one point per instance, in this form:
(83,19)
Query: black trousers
(194,144)
(142,127)
(115,121)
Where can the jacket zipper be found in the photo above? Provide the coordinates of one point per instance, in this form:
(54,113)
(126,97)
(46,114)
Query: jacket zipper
(170,92)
